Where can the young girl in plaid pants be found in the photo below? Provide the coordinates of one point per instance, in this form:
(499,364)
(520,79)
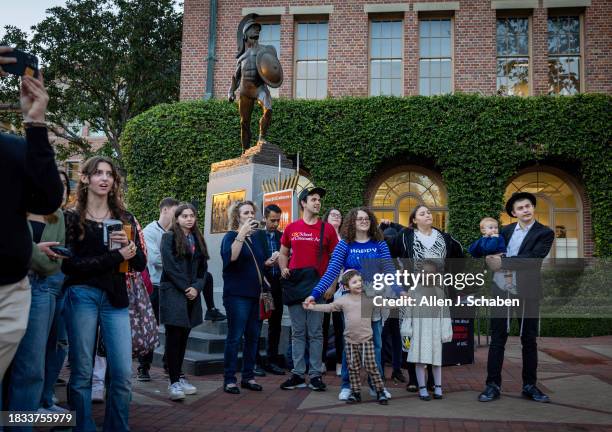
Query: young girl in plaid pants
(359,345)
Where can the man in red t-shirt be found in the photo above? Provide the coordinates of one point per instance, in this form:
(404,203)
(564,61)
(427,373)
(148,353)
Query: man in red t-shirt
(302,239)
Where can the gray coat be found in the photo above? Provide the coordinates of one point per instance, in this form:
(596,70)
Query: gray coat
(175,279)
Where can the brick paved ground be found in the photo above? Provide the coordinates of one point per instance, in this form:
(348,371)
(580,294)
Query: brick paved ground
(576,373)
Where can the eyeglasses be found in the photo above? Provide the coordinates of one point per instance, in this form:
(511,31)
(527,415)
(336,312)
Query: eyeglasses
(363,219)
(335,215)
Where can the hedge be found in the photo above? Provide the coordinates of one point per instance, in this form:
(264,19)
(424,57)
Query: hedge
(477,143)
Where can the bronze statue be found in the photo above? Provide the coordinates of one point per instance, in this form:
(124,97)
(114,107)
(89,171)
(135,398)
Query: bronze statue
(257,68)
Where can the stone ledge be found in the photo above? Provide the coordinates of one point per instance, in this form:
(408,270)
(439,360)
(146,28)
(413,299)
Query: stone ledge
(263,154)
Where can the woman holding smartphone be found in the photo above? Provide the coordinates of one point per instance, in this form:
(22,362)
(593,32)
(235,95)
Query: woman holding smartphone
(96,293)
(184,261)
(243,263)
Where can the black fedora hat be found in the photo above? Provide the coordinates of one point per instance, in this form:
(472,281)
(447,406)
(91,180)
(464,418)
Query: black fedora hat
(516,196)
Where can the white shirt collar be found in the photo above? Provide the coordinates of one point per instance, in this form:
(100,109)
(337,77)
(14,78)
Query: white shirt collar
(527,228)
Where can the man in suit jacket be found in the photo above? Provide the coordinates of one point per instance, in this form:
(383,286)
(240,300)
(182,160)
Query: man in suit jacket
(529,242)
(270,240)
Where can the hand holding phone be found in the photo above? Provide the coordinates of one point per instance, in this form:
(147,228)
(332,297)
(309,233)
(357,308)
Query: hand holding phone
(18,62)
(63,252)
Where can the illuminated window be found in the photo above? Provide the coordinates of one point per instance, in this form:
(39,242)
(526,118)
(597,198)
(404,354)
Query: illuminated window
(564,56)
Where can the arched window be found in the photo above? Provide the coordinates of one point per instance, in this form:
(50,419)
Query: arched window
(397,195)
(559,206)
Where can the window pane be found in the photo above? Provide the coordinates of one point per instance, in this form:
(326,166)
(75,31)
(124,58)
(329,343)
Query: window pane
(445,85)
(396,48)
(385,69)
(312,50)
(523,45)
(375,50)
(396,69)
(445,68)
(424,47)
(435,69)
(445,28)
(311,89)
(312,31)
(396,87)
(375,69)
(301,50)
(435,28)
(513,76)
(302,32)
(424,68)
(424,29)
(435,86)
(385,49)
(385,87)
(375,30)
(302,68)
(435,47)
(312,70)
(321,89)
(322,69)
(386,30)
(322,49)
(445,47)
(374,87)
(300,89)
(323,31)
(396,29)
(424,86)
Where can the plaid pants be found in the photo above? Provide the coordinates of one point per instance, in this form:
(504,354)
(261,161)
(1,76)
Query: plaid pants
(355,355)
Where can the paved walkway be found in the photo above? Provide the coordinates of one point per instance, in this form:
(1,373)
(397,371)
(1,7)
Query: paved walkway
(576,373)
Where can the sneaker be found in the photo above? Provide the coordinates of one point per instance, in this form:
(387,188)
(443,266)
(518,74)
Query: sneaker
(374,393)
(53,409)
(354,398)
(188,388)
(143,374)
(323,369)
(175,391)
(382,398)
(344,394)
(338,369)
(97,394)
(293,383)
(317,384)
(214,315)
(258,371)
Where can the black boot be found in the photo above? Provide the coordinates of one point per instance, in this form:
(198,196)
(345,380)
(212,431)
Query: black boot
(354,398)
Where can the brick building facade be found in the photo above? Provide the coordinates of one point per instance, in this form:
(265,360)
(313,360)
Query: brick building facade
(369,47)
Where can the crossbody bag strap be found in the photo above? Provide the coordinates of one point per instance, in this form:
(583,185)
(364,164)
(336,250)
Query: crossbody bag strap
(246,242)
(320,255)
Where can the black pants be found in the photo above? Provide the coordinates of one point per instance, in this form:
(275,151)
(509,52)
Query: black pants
(499,336)
(392,351)
(274,322)
(176,343)
(208,292)
(146,360)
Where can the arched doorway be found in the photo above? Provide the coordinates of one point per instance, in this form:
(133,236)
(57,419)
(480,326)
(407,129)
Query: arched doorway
(395,195)
(559,206)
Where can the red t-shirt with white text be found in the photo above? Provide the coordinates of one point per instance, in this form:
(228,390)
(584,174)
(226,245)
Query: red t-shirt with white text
(303,240)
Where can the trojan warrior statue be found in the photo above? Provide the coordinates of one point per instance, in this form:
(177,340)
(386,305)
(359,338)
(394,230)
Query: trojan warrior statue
(256,69)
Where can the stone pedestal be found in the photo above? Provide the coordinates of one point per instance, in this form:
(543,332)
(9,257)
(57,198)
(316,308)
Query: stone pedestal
(247,173)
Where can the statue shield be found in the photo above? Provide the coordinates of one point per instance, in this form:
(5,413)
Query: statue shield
(269,67)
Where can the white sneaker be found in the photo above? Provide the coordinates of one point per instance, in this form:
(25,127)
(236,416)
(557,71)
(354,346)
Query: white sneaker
(323,368)
(338,370)
(97,394)
(175,391)
(188,388)
(53,409)
(344,394)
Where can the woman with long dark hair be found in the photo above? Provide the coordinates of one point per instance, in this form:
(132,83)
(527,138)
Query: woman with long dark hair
(184,262)
(418,242)
(96,293)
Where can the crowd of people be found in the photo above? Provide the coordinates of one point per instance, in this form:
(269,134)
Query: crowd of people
(67,273)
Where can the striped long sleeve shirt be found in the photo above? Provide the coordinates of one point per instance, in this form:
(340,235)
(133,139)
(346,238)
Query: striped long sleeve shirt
(351,256)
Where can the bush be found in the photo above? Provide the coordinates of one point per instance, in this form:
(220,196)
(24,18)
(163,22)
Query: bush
(476,143)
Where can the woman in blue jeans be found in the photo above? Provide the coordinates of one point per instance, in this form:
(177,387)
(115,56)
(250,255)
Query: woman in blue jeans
(26,375)
(243,260)
(362,248)
(96,293)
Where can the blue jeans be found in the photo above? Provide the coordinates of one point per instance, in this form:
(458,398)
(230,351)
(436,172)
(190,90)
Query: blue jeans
(242,319)
(87,307)
(27,374)
(377,339)
(57,345)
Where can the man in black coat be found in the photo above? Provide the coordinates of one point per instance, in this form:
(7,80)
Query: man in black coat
(270,240)
(529,242)
(30,183)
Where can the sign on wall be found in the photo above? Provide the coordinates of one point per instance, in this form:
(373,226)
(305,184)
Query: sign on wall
(221,204)
(283,199)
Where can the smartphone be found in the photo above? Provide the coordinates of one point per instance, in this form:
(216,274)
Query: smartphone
(27,64)
(110,226)
(63,251)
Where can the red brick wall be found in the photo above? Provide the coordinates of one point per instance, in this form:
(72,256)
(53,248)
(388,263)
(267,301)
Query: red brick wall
(598,46)
(195,49)
(474,47)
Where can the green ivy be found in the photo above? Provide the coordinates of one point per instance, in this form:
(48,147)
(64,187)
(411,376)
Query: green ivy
(476,143)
